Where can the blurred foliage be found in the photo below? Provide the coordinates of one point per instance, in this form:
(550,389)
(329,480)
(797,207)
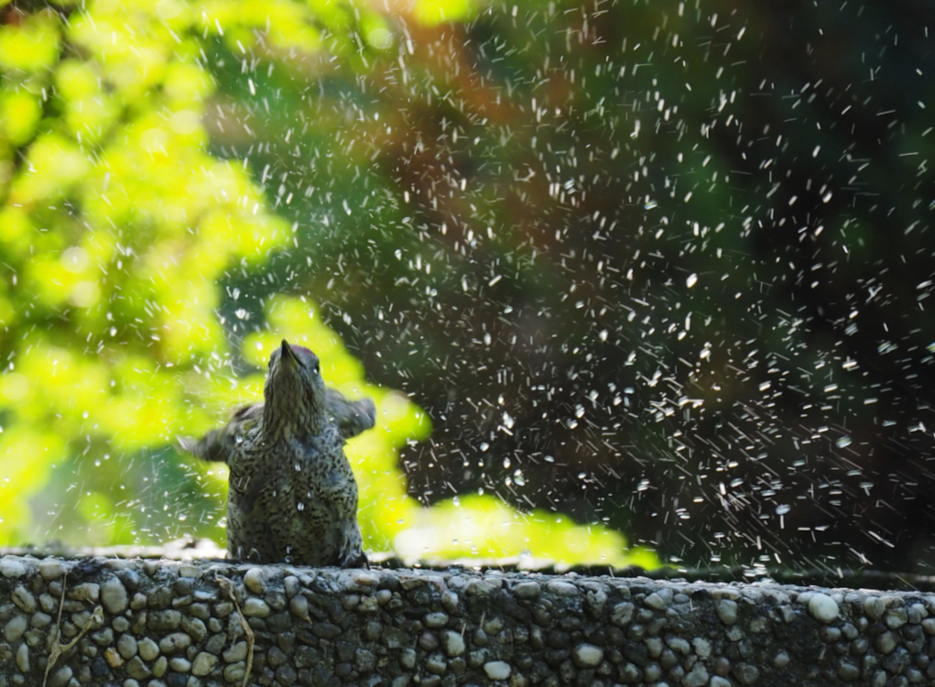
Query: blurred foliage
(123,237)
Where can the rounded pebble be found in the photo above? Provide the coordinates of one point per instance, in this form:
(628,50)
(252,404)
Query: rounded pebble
(255,580)
(175,642)
(22,658)
(127,646)
(256,608)
(148,649)
(435,620)
(526,590)
(114,596)
(12,567)
(823,608)
(588,656)
(454,643)
(298,606)
(203,663)
(727,611)
(562,588)
(51,568)
(15,627)
(236,653)
(498,670)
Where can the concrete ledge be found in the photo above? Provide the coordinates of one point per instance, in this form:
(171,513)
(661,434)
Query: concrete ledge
(164,623)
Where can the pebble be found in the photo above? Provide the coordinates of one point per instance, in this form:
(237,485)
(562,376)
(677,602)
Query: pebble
(298,606)
(435,620)
(180,665)
(588,656)
(15,627)
(148,649)
(204,663)
(527,590)
(137,669)
(22,658)
(454,643)
(51,568)
(235,672)
(658,600)
(24,599)
(237,652)
(823,608)
(61,677)
(175,642)
(86,592)
(696,677)
(114,596)
(497,670)
(727,611)
(256,608)
(255,580)
(562,588)
(127,646)
(407,658)
(11,566)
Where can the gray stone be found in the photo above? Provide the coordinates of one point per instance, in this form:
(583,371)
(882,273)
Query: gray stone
(148,649)
(498,670)
(61,677)
(15,628)
(180,665)
(256,608)
(587,656)
(696,677)
(164,620)
(255,580)
(87,592)
(823,608)
(137,669)
(435,620)
(238,652)
(174,643)
(527,590)
(24,599)
(12,566)
(727,611)
(235,672)
(22,658)
(127,646)
(407,658)
(204,663)
(51,568)
(562,588)
(114,596)
(454,643)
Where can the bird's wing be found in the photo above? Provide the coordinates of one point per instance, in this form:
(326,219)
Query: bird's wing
(351,417)
(218,444)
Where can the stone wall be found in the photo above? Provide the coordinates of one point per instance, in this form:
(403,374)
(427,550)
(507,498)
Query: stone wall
(161,623)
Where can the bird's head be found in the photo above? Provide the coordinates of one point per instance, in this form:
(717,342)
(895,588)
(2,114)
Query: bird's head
(294,390)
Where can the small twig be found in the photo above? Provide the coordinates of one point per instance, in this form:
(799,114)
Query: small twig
(57,648)
(228,586)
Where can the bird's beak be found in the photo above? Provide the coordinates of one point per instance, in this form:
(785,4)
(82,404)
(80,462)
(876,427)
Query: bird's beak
(286,353)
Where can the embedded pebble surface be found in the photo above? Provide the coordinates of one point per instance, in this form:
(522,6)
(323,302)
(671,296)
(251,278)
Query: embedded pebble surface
(161,623)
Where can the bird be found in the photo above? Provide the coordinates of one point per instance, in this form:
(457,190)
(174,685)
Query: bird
(292,495)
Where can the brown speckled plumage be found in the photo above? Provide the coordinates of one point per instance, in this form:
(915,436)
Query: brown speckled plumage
(292,495)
